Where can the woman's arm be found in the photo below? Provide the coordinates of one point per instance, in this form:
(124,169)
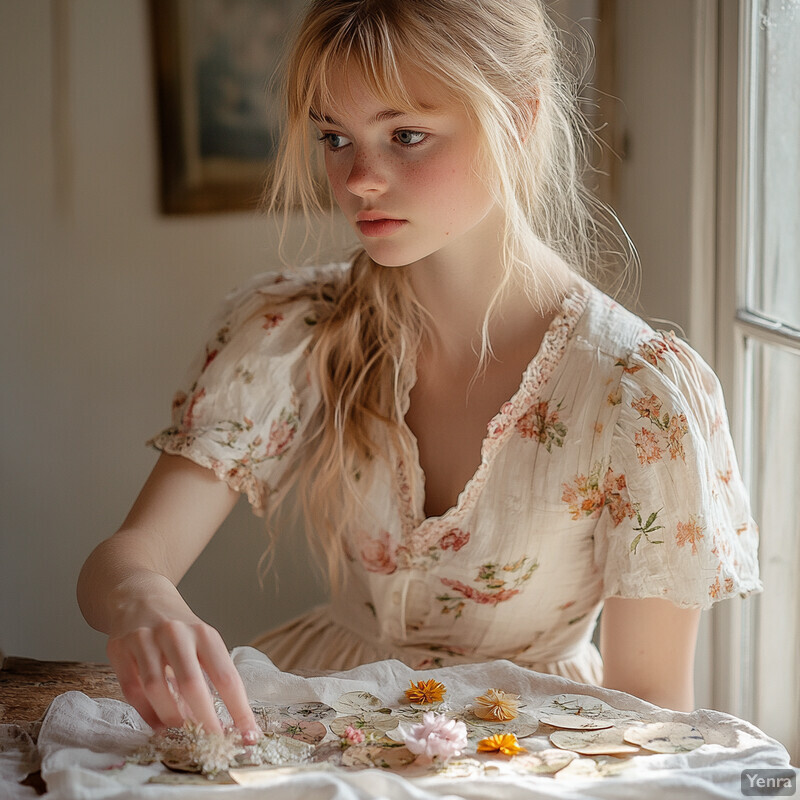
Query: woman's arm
(127,589)
(648,650)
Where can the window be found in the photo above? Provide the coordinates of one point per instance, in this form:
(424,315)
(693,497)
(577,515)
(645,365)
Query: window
(759,257)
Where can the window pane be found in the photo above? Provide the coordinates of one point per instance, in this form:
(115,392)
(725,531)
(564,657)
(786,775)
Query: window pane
(776,286)
(775,429)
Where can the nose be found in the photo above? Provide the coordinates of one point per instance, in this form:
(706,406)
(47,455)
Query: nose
(368,174)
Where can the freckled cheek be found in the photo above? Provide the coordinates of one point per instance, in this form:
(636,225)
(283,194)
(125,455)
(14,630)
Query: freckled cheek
(444,185)
(337,178)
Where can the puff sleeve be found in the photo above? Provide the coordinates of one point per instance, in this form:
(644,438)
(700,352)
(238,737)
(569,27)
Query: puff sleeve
(248,395)
(682,528)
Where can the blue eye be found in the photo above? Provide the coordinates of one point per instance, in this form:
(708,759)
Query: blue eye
(410,138)
(334,141)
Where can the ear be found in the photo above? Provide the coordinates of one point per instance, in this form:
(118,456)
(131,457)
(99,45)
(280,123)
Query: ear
(527,112)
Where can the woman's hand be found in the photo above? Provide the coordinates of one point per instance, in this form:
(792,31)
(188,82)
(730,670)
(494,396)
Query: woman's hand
(127,589)
(160,650)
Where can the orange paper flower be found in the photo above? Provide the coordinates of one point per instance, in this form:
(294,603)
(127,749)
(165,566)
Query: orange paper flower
(497,706)
(426,692)
(505,743)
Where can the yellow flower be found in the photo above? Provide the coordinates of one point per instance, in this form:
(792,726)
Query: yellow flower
(426,692)
(497,706)
(505,743)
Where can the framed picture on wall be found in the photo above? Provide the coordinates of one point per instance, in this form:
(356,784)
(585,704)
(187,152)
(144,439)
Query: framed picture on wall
(218,112)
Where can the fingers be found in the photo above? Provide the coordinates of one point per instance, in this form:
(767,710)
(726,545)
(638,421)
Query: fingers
(145,678)
(125,667)
(146,658)
(217,663)
(183,656)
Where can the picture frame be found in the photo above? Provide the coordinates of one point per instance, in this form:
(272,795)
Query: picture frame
(219,113)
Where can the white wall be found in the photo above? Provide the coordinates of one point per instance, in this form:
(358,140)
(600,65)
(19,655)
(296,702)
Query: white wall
(656,81)
(103,306)
(105,300)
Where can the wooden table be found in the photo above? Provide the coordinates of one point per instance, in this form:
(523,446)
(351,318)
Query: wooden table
(28,686)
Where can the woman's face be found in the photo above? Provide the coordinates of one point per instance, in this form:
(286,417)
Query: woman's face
(405,180)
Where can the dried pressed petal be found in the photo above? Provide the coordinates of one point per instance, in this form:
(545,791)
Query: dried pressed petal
(505,743)
(430,691)
(215,752)
(353,735)
(497,706)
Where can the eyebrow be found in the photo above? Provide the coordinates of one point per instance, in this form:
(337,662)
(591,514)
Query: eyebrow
(381,116)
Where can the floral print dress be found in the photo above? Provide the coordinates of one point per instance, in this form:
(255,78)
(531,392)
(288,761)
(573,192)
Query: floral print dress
(609,473)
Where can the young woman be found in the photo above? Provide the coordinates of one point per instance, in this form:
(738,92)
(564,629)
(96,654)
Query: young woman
(488,449)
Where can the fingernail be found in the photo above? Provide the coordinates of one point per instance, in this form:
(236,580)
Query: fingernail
(251,737)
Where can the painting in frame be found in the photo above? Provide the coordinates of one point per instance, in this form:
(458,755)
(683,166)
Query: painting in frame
(219,111)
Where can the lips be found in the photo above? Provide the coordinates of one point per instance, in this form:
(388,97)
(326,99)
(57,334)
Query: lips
(374,224)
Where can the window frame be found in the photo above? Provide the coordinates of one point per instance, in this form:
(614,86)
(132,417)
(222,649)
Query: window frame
(737,629)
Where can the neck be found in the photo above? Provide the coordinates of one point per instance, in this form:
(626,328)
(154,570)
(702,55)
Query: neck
(457,289)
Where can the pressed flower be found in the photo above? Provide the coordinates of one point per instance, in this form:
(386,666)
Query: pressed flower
(505,743)
(430,691)
(215,752)
(497,706)
(436,737)
(353,735)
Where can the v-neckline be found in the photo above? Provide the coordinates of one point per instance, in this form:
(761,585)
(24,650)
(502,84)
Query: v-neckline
(535,375)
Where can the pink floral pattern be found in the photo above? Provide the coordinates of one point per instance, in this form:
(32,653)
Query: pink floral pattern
(188,415)
(237,435)
(281,434)
(587,496)
(648,447)
(689,533)
(454,540)
(652,350)
(667,436)
(542,424)
(379,554)
(499,582)
(272,321)
(655,349)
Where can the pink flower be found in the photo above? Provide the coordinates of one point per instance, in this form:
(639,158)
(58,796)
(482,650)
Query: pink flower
(188,417)
(379,554)
(648,449)
(678,428)
(353,735)
(477,596)
(656,348)
(281,433)
(454,540)
(436,737)
(272,321)
(648,407)
(689,533)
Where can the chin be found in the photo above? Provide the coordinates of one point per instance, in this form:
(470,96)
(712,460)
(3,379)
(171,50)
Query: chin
(387,259)
(396,256)
(390,263)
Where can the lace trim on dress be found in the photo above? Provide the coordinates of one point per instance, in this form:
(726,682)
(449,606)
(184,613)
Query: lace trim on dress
(554,343)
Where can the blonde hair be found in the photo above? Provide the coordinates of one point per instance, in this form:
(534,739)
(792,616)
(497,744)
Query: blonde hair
(503,61)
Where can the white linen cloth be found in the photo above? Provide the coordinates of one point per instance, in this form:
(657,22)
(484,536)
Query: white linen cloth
(18,758)
(81,738)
